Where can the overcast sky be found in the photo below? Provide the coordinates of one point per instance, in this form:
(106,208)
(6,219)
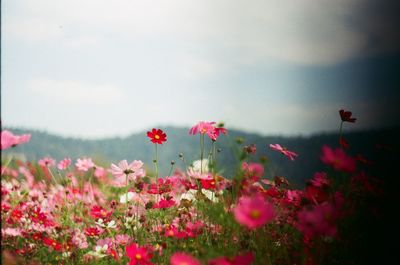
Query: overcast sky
(95,68)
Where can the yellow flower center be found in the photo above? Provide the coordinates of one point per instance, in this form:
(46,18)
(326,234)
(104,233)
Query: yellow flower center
(157,136)
(138,256)
(255,214)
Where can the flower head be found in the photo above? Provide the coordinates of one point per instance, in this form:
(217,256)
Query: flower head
(63,164)
(157,136)
(46,162)
(138,255)
(8,139)
(84,164)
(319,220)
(338,159)
(277,147)
(181,258)
(124,170)
(346,116)
(205,127)
(253,212)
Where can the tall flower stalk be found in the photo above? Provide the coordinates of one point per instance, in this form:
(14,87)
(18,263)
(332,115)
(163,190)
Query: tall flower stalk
(157,137)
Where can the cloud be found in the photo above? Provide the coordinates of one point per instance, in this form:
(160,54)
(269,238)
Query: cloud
(301,32)
(76,92)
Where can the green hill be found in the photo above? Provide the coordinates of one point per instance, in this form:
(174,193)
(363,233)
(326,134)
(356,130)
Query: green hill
(137,146)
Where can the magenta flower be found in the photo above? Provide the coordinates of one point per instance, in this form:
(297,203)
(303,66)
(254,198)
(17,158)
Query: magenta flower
(277,147)
(64,164)
(338,159)
(8,139)
(124,170)
(84,164)
(320,220)
(181,258)
(138,255)
(253,212)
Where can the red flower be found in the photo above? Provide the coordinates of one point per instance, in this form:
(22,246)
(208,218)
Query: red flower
(52,243)
(157,136)
(92,231)
(346,116)
(99,212)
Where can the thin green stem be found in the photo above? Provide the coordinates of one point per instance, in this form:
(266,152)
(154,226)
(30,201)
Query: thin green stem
(126,190)
(201,152)
(3,168)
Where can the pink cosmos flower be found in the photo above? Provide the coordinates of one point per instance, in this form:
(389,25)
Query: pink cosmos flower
(84,164)
(122,239)
(46,162)
(253,212)
(79,239)
(138,255)
(8,139)
(64,164)
(202,128)
(181,258)
(338,159)
(100,173)
(277,147)
(208,128)
(133,171)
(319,220)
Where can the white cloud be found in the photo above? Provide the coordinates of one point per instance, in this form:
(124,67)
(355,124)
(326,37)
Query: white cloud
(76,92)
(305,32)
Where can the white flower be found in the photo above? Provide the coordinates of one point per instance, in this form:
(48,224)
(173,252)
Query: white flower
(122,198)
(210,195)
(197,166)
(112,224)
(190,195)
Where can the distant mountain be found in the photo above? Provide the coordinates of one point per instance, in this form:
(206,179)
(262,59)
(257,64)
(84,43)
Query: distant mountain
(137,146)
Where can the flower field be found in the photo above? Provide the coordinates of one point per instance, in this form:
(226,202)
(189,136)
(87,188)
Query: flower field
(79,212)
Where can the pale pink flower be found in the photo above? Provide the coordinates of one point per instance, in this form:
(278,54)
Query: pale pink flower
(79,239)
(181,258)
(28,175)
(47,162)
(64,164)
(11,232)
(253,212)
(84,164)
(8,139)
(124,170)
(338,159)
(277,147)
(100,172)
(122,239)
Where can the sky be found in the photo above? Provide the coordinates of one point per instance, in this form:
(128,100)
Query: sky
(97,68)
